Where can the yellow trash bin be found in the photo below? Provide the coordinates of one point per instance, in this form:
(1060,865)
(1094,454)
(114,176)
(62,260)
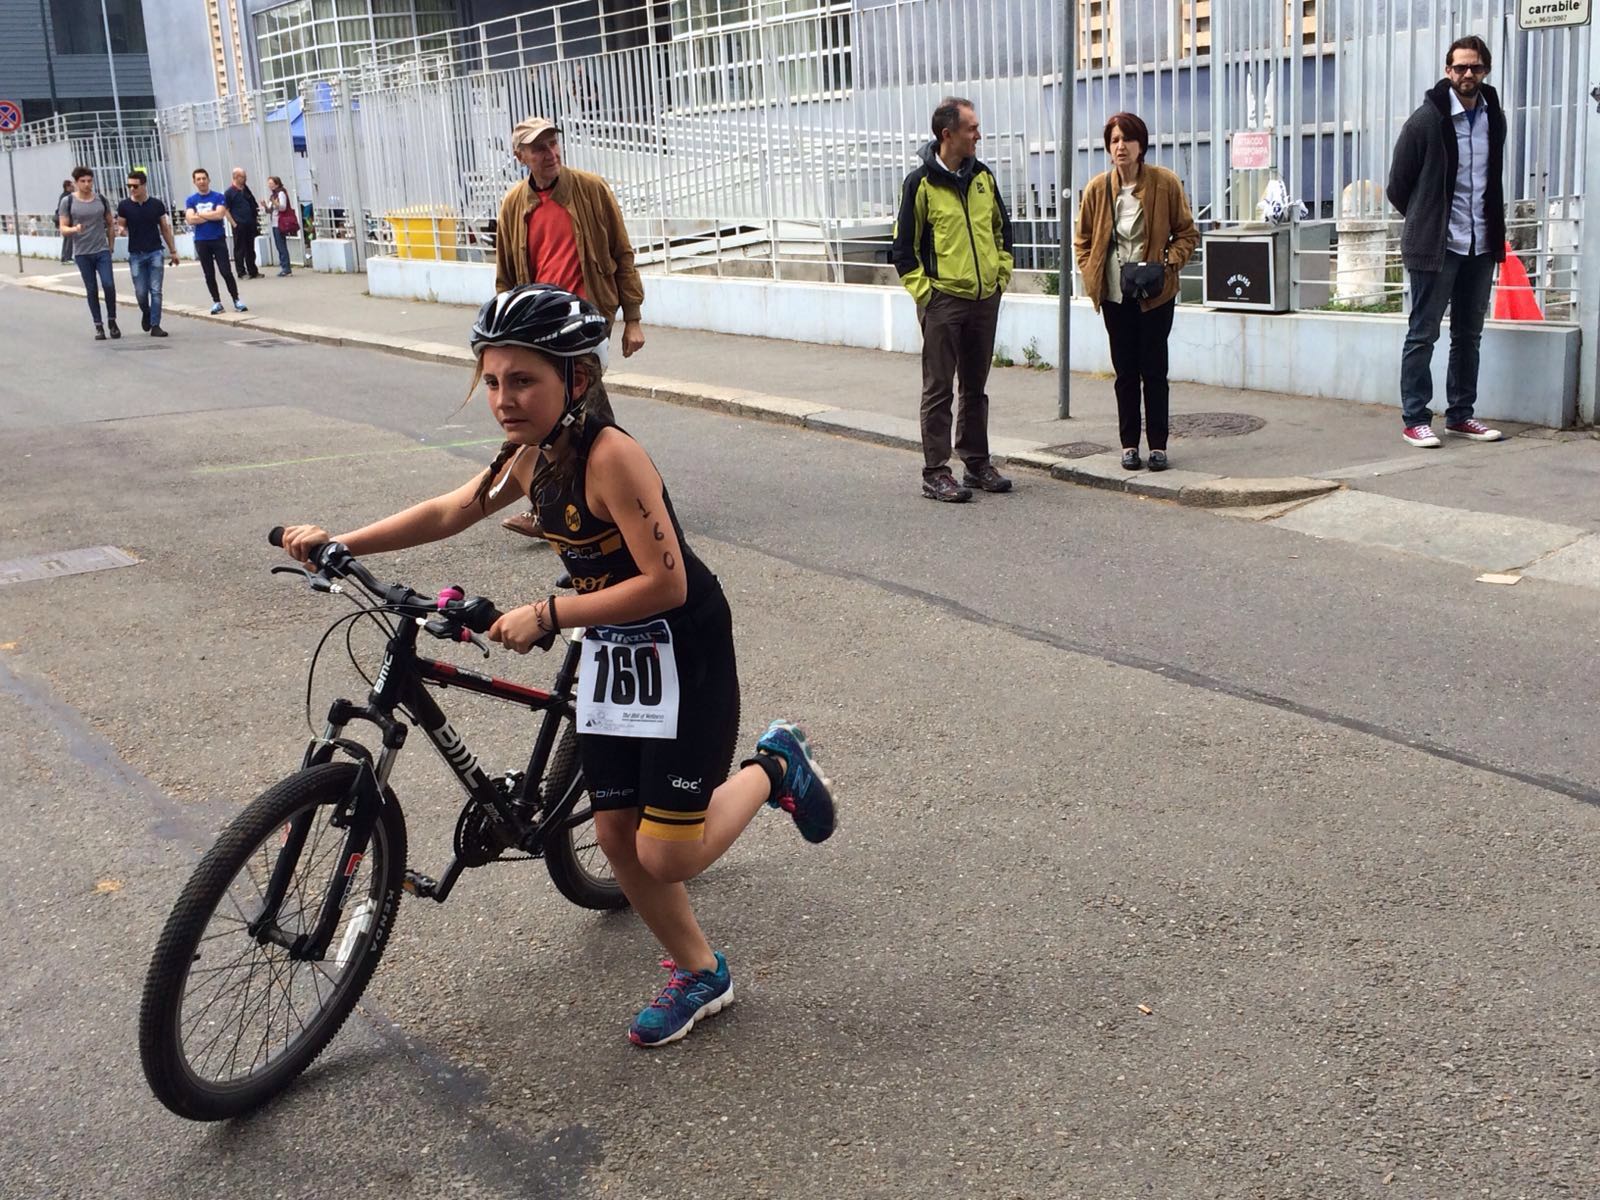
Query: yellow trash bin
(422,232)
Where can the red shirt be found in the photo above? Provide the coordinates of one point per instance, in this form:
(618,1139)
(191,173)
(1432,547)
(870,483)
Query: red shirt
(552,250)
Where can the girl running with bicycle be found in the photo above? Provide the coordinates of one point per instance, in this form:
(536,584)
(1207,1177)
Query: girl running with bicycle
(658,706)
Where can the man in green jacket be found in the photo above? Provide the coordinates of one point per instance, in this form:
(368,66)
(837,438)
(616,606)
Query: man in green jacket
(952,248)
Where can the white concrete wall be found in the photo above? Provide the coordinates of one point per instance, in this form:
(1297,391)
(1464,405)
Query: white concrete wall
(1529,370)
(43,246)
(429,279)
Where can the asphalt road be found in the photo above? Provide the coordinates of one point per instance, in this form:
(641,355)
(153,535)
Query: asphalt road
(1329,813)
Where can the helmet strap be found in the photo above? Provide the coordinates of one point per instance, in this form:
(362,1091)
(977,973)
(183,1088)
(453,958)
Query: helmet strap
(569,409)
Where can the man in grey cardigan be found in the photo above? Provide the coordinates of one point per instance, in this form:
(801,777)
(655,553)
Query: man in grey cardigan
(1446,181)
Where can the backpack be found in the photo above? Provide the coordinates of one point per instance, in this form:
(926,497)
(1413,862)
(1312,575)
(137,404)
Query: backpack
(63,207)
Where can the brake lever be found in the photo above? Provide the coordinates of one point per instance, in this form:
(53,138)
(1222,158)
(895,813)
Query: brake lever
(317,580)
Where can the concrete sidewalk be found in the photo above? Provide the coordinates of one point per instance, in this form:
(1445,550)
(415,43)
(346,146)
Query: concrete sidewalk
(1255,451)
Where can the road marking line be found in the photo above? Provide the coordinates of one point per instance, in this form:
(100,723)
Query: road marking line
(295,462)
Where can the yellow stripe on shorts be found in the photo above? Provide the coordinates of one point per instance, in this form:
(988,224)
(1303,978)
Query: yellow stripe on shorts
(668,826)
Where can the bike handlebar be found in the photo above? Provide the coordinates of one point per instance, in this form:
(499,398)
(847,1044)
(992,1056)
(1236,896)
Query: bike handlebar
(451,616)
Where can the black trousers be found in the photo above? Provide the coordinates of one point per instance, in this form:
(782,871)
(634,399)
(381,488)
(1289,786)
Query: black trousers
(1139,356)
(244,250)
(213,256)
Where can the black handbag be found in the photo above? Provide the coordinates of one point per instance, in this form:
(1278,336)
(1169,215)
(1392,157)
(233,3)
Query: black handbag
(1140,280)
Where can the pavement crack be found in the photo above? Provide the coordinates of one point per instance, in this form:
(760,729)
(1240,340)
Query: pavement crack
(1183,675)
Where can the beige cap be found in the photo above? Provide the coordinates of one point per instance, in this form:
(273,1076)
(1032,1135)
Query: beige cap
(529,131)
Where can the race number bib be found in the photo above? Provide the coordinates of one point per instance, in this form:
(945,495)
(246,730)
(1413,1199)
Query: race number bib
(628,682)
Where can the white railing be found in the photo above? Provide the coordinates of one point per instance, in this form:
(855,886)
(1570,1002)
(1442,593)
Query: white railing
(779,134)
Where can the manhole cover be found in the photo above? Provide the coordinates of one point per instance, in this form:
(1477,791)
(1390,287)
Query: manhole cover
(1075,449)
(65,562)
(1214,424)
(264,343)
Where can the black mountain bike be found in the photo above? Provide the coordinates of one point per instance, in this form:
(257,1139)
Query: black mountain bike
(282,924)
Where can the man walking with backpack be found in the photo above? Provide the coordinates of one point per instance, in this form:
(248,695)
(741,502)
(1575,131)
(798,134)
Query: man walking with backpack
(85,216)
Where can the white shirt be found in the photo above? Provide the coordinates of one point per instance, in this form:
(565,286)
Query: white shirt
(1469,232)
(1127,245)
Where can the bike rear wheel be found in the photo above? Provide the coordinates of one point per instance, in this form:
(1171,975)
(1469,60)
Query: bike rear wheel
(577,865)
(229,1019)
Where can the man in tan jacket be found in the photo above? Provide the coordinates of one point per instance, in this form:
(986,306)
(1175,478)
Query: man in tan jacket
(564,227)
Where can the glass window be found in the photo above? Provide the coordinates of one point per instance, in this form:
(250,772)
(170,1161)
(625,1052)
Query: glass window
(79,30)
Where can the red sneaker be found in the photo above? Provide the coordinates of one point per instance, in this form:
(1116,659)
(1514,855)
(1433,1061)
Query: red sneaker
(1421,435)
(1476,430)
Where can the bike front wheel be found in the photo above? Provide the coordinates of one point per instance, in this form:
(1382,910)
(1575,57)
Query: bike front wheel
(229,1017)
(577,865)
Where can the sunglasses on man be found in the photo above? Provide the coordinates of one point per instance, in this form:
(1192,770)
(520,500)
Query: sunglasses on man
(1469,68)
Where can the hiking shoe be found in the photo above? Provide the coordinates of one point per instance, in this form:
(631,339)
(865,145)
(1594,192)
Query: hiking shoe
(1477,431)
(985,477)
(115,331)
(1422,436)
(1131,460)
(216,308)
(688,996)
(526,524)
(1158,460)
(804,793)
(157,331)
(239,306)
(944,487)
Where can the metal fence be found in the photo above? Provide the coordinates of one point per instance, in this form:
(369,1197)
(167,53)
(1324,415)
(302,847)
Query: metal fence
(48,150)
(771,137)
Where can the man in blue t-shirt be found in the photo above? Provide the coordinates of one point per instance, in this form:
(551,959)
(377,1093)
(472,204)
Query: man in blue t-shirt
(206,211)
(143,220)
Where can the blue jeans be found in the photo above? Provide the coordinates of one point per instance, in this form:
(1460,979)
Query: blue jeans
(90,266)
(1464,285)
(281,241)
(148,267)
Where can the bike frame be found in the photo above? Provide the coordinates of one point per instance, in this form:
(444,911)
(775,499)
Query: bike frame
(402,684)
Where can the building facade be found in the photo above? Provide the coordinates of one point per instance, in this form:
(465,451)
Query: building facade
(54,60)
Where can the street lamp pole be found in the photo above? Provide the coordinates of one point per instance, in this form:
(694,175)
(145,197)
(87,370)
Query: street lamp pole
(1066,151)
(49,58)
(116,99)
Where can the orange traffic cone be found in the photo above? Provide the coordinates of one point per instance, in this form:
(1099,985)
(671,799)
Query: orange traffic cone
(1513,295)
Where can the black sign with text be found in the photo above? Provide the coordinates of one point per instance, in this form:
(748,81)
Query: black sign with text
(1239,274)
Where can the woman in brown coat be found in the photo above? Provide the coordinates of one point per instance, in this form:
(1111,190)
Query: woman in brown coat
(1135,216)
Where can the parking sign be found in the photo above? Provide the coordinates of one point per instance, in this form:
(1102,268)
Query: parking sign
(10,116)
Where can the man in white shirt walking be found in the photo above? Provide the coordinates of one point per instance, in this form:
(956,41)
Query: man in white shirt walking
(1446,181)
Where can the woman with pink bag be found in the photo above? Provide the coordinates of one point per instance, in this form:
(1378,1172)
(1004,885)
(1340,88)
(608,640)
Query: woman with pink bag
(284,223)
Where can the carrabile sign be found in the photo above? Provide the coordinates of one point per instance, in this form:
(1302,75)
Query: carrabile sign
(1552,14)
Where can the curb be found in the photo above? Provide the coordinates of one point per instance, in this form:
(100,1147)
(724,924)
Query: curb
(1194,489)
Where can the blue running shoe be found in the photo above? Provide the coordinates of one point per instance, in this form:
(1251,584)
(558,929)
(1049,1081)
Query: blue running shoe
(240,306)
(688,996)
(804,794)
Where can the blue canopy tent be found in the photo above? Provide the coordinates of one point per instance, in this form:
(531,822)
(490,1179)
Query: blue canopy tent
(292,113)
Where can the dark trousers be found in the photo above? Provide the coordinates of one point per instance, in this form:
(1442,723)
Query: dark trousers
(96,270)
(1139,356)
(957,344)
(244,250)
(213,256)
(1463,285)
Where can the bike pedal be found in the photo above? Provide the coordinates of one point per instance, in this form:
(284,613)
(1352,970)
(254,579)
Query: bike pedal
(421,885)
